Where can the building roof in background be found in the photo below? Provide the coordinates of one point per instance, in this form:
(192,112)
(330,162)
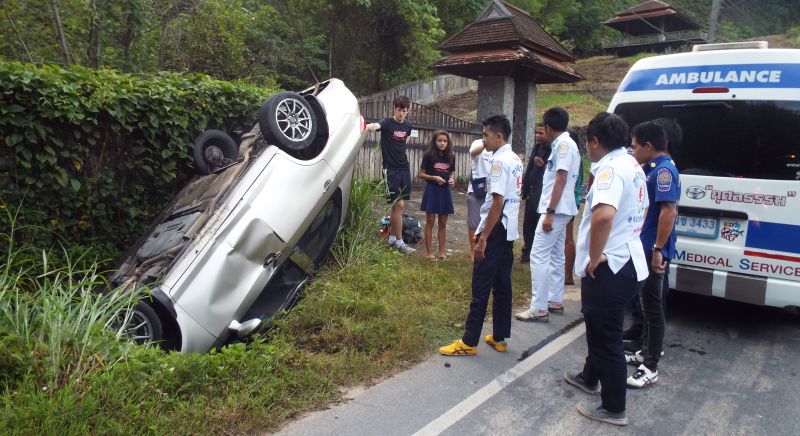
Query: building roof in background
(504,25)
(519,63)
(651,17)
(506,41)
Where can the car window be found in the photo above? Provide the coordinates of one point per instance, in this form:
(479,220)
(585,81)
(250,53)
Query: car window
(751,139)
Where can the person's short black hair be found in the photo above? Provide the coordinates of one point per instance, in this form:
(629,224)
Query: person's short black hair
(674,133)
(402,102)
(498,124)
(651,132)
(610,130)
(573,134)
(557,118)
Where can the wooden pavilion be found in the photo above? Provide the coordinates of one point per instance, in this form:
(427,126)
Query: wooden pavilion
(653,26)
(508,52)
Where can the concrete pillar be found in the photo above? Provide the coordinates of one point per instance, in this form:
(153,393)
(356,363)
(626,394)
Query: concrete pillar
(496,97)
(524,126)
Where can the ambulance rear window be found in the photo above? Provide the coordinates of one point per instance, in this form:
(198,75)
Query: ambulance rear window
(751,139)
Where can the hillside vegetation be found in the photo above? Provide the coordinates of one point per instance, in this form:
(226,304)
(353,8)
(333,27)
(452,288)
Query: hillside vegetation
(586,98)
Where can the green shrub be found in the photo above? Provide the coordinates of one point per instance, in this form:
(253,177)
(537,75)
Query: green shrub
(94,155)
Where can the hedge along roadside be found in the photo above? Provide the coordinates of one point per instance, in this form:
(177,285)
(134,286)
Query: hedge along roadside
(94,155)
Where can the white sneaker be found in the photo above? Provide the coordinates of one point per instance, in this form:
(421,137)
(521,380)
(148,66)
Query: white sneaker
(531,315)
(642,377)
(634,359)
(405,249)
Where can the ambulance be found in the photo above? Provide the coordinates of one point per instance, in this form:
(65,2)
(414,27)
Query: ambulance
(738,222)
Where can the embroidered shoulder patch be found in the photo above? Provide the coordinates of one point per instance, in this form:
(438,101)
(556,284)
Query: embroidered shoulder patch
(664,180)
(496,169)
(562,150)
(604,178)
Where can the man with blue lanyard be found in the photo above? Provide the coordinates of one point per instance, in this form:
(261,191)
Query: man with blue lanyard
(649,143)
(493,253)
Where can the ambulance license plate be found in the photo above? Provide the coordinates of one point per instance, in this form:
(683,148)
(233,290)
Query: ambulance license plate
(697,226)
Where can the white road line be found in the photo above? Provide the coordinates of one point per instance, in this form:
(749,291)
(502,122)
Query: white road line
(447,419)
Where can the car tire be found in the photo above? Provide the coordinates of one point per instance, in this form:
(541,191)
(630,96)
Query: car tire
(144,326)
(213,150)
(287,120)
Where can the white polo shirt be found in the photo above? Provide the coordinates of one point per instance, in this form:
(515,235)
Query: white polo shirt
(505,178)
(564,155)
(619,182)
(481,164)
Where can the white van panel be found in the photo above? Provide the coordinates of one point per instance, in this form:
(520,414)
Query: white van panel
(753,254)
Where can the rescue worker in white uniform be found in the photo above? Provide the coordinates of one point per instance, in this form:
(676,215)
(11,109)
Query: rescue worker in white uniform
(557,207)
(481,163)
(494,249)
(611,263)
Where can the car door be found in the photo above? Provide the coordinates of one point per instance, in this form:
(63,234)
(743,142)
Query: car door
(268,210)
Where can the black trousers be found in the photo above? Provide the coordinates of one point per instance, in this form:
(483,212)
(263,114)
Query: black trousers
(491,275)
(637,317)
(604,300)
(654,320)
(529,223)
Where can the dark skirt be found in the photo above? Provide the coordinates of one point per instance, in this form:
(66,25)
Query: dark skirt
(437,199)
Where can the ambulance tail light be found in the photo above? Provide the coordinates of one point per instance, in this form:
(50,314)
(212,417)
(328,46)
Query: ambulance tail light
(711,90)
(362,123)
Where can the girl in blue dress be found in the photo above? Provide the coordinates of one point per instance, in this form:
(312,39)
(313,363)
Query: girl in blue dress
(437,169)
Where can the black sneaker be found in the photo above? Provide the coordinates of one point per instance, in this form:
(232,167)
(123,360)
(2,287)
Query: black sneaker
(603,415)
(578,381)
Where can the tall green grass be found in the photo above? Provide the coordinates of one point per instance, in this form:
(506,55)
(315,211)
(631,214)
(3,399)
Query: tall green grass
(54,324)
(357,239)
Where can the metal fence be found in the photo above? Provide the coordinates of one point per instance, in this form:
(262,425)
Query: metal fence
(688,36)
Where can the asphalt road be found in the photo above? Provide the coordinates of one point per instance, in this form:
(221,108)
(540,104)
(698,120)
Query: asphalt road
(729,369)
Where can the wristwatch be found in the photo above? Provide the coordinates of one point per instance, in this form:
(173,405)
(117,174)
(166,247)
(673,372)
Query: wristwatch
(550,210)
(656,248)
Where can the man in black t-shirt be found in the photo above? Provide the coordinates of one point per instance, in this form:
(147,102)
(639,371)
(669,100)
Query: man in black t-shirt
(394,134)
(532,191)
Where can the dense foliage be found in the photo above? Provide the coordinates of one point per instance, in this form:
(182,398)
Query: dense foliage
(93,155)
(370,44)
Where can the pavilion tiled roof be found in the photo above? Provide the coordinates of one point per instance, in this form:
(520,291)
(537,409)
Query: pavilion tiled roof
(650,9)
(520,29)
(513,61)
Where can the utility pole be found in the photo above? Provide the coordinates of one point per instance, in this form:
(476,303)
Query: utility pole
(713,20)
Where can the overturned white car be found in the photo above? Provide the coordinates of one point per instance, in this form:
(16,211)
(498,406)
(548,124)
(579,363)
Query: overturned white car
(237,244)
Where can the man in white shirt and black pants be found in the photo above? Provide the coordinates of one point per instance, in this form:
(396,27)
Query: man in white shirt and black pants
(494,249)
(557,207)
(611,262)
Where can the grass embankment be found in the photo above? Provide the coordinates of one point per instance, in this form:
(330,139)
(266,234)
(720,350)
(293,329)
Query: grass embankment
(370,313)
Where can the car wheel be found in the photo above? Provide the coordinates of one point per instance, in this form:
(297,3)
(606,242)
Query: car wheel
(213,150)
(143,326)
(287,120)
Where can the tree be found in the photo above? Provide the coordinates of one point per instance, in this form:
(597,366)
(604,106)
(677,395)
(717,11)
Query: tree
(62,40)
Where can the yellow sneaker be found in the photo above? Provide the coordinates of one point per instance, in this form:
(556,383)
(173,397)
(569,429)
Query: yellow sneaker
(458,348)
(499,346)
